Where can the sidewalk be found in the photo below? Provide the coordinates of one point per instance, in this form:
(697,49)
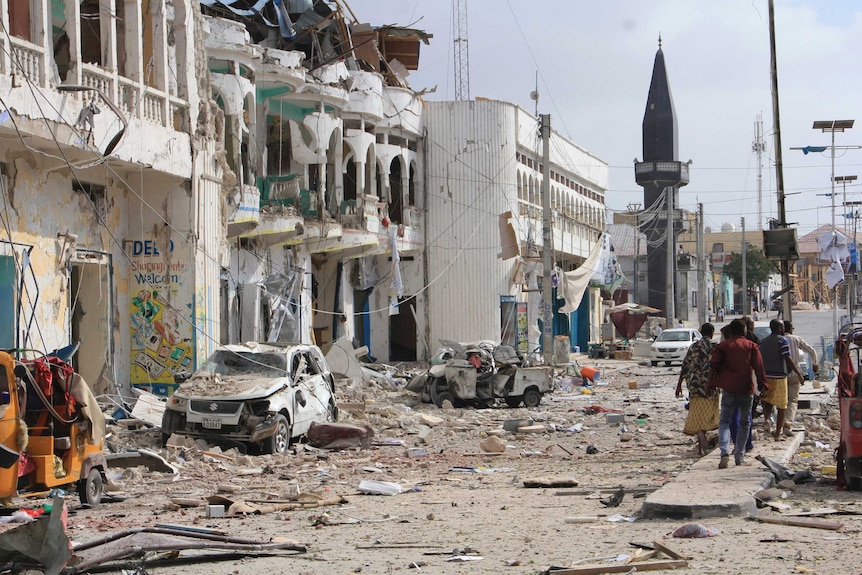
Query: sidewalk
(703,490)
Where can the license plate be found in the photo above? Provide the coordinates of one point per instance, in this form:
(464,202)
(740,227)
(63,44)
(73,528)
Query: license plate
(211,423)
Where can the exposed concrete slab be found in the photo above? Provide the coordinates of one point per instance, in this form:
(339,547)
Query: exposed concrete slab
(703,490)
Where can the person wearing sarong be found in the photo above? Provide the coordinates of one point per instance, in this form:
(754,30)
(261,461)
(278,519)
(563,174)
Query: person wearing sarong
(777,363)
(703,403)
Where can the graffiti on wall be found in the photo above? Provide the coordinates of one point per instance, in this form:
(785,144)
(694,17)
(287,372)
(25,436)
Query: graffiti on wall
(161,326)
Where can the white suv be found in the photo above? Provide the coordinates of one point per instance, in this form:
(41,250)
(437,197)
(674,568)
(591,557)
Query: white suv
(260,395)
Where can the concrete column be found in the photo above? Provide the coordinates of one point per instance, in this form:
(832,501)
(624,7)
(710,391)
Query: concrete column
(73,30)
(108,33)
(134,48)
(188,48)
(160,54)
(6,52)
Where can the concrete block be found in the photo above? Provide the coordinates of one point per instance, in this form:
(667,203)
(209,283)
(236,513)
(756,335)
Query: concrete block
(615,418)
(214,511)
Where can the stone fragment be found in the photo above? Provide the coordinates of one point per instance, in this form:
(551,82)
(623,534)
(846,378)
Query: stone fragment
(493,444)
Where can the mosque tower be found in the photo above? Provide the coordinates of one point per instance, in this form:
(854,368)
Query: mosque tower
(661,174)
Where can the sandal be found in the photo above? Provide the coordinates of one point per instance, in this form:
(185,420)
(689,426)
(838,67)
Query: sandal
(778,437)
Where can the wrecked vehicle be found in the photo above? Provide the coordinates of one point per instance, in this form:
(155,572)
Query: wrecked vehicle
(481,374)
(51,429)
(257,395)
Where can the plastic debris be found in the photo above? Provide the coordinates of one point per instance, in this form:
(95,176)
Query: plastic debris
(694,530)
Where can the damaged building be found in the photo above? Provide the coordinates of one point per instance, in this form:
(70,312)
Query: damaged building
(179,174)
(110,186)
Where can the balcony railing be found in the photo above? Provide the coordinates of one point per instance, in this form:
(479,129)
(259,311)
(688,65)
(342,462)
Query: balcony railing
(27,59)
(97,78)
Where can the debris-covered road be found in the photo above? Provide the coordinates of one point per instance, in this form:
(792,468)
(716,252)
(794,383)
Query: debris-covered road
(469,495)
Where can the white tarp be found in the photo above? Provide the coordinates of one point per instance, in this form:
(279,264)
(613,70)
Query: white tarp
(573,284)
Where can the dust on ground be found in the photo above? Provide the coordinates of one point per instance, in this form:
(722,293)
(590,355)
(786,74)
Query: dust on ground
(463,510)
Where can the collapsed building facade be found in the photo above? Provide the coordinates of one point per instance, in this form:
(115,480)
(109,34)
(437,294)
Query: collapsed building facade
(181,174)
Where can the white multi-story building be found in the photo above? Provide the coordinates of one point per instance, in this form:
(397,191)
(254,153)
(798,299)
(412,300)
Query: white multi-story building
(110,202)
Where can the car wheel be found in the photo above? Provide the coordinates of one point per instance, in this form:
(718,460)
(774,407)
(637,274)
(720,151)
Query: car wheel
(279,441)
(90,488)
(532,398)
(654,363)
(513,400)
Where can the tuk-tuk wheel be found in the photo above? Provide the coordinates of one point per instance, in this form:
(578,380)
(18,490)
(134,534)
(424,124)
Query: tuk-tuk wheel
(90,488)
(444,396)
(532,398)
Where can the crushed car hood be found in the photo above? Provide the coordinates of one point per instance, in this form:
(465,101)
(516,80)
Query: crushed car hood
(213,385)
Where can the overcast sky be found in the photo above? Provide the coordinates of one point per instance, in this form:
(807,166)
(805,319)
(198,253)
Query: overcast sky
(594,61)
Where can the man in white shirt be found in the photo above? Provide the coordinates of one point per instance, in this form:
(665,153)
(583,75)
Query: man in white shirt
(793,381)
(656,331)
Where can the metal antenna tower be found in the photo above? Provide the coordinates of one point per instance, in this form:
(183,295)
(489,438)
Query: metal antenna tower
(759,147)
(462,56)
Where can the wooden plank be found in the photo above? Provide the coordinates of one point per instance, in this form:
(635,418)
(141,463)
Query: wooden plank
(627,568)
(658,546)
(830,525)
(812,512)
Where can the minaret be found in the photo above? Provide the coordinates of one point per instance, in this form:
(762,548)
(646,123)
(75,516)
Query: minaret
(661,174)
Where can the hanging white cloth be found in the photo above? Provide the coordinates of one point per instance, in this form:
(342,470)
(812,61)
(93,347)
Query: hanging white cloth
(573,284)
(835,274)
(833,244)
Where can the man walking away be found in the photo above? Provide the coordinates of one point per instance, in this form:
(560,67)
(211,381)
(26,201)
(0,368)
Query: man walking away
(703,403)
(777,363)
(793,382)
(731,367)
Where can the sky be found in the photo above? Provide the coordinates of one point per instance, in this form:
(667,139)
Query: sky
(592,63)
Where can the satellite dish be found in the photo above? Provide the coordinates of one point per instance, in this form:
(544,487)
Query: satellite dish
(534,95)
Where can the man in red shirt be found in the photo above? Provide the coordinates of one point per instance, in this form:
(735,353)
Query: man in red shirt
(731,366)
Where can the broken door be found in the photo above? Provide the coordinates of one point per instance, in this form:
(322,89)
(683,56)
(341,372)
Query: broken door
(91,310)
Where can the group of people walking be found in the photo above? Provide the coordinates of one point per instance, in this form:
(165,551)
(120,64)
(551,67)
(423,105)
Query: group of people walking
(726,380)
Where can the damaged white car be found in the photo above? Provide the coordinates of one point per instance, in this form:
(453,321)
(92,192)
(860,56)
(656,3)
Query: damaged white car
(254,395)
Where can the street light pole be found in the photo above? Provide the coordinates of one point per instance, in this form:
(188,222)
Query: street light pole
(833,126)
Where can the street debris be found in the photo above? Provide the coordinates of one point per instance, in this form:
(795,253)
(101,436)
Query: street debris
(379,488)
(694,530)
(536,482)
(812,523)
(615,499)
(140,544)
(43,543)
(337,436)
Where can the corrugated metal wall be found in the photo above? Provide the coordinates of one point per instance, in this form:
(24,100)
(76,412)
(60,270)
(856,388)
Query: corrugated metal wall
(471,179)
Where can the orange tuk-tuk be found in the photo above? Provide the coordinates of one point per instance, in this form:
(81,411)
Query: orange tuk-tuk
(51,430)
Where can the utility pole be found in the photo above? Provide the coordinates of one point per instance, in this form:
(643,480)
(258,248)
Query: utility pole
(635,208)
(547,243)
(702,304)
(671,259)
(746,302)
(786,285)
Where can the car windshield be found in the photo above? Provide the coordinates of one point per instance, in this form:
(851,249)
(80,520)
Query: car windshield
(232,363)
(674,336)
(762,332)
